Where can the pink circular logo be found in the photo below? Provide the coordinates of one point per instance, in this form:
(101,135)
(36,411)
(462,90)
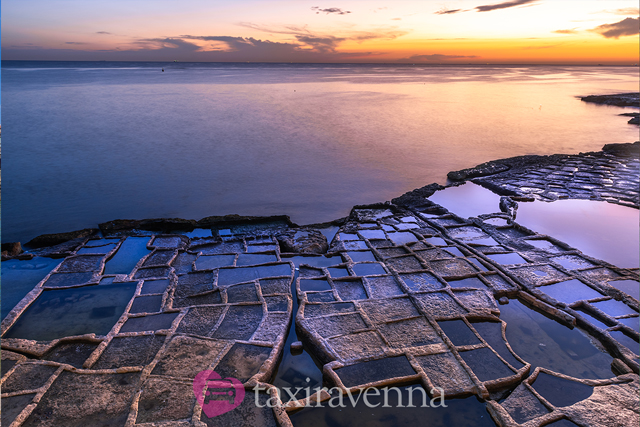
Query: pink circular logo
(217,395)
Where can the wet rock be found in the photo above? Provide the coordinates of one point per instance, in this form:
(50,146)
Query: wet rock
(508,206)
(484,169)
(28,376)
(165,400)
(253,411)
(621,99)
(296,347)
(13,406)
(609,405)
(199,353)
(242,361)
(303,241)
(129,351)
(74,353)
(11,249)
(623,149)
(46,240)
(78,400)
(444,371)
(118,226)
(375,371)
(275,221)
(523,405)
(418,196)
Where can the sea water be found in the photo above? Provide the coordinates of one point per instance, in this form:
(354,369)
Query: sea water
(87,142)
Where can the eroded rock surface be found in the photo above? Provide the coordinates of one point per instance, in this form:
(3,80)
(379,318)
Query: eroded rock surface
(407,293)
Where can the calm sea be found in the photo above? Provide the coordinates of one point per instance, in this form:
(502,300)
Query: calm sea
(90,142)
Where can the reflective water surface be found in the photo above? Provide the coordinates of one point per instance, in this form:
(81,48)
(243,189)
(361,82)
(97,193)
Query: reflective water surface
(91,142)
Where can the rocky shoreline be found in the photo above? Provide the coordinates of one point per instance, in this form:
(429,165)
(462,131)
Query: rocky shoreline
(112,325)
(405,292)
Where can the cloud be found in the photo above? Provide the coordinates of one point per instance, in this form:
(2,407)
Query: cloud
(103,32)
(627,11)
(445,11)
(626,27)
(322,44)
(568,31)
(326,42)
(335,10)
(507,4)
(436,57)
(396,19)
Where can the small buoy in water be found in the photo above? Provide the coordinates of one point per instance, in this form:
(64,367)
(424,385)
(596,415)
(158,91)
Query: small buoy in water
(163,70)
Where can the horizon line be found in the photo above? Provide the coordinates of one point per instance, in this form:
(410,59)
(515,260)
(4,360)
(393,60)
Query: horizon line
(608,64)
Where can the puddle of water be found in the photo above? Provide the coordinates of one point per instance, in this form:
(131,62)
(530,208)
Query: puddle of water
(626,341)
(467,200)
(458,332)
(561,392)
(469,412)
(68,312)
(614,308)
(360,256)
(478,264)
(208,262)
(572,262)
(471,282)
(196,233)
(491,332)
(261,247)
(104,249)
(402,237)
(20,277)
(570,291)
(436,241)
(372,234)
(507,259)
(368,269)
(348,236)
(599,229)
(338,272)
(230,276)
(154,286)
(314,261)
(314,285)
(329,232)
(546,343)
(594,321)
(466,233)
(253,259)
(630,287)
(496,221)
(632,322)
(130,252)
(453,251)
(299,370)
(419,282)
(545,245)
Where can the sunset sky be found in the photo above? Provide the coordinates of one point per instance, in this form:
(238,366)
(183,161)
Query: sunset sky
(431,32)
